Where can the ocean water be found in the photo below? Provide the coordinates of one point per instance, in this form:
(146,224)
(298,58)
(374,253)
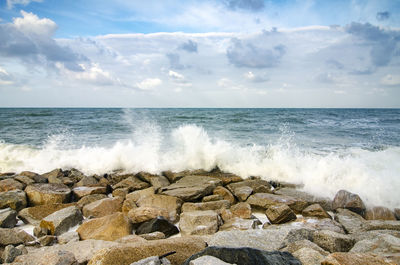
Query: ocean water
(324,149)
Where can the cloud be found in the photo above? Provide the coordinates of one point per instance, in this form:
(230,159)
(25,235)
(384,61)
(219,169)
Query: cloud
(381,16)
(255,78)
(5,78)
(189,46)
(334,63)
(29,39)
(11,3)
(247,54)
(391,80)
(95,75)
(176,76)
(149,83)
(250,5)
(175,61)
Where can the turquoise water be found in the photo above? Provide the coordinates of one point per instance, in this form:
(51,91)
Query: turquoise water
(323,149)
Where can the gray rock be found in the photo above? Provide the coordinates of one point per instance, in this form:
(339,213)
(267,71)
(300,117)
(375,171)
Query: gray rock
(325,202)
(384,245)
(225,193)
(211,198)
(370,235)
(199,222)
(278,214)
(61,221)
(265,200)
(204,206)
(10,184)
(153,236)
(382,224)
(14,199)
(237,223)
(256,185)
(332,241)
(47,240)
(348,200)
(159,224)
(67,237)
(24,180)
(10,253)
(208,260)
(153,260)
(299,244)
(242,193)
(8,218)
(46,193)
(308,256)
(59,257)
(14,236)
(397,213)
(352,222)
(89,199)
(34,215)
(246,256)
(296,235)
(132,183)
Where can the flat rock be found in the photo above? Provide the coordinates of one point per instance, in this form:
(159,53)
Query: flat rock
(49,258)
(80,192)
(332,241)
(241,210)
(315,210)
(158,224)
(225,193)
(24,180)
(130,239)
(144,213)
(155,181)
(382,224)
(355,259)
(132,183)
(304,243)
(62,220)
(67,237)
(353,223)
(370,235)
(199,222)
(8,218)
(14,199)
(242,192)
(153,236)
(191,188)
(33,215)
(168,203)
(102,207)
(14,236)
(246,256)
(174,176)
(257,185)
(320,224)
(237,223)
(397,213)
(45,193)
(10,184)
(379,213)
(308,256)
(265,200)
(87,181)
(348,200)
(278,214)
(325,202)
(109,227)
(204,206)
(296,235)
(126,254)
(135,196)
(89,199)
(212,198)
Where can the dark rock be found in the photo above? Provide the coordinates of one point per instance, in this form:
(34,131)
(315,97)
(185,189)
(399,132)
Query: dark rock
(397,213)
(14,236)
(34,176)
(158,224)
(348,200)
(278,214)
(247,256)
(379,213)
(43,193)
(332,241)
(47,240)
(61,221)
(14,199)
(8,218)
(10,253)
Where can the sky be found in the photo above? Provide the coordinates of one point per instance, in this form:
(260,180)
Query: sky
(200,53)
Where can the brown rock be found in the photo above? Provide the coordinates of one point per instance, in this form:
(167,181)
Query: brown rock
(174,176)
(33,215)
(43,193)
(122,192)
(47,240)
(169,203)
(131,239)
(265,200)
(299,244)
(144,213)
(242,193)
(121,255)
(153,236)
(315,210)
(8,218)
(212,198)
(355,259)
(62,220)
(14,199)
(347,200)
(237,223)
(89,199)
(132,183)
(34,176)
(55,176)
(382,224)
(397,213)
(278,214)
(138,194)
(10,184)
(204,206)
(128,205)
(109,228)
(14,236)
(80,192)
(155,180)
(225,193)
(198,222)
(87,181)
(332,241)
(308,256)
(241,210)
(226,214)
(49,258)
(256,185)
(379,213)
(24,180)
(102,207)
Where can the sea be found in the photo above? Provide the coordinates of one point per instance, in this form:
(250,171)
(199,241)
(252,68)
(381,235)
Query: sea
(323,150)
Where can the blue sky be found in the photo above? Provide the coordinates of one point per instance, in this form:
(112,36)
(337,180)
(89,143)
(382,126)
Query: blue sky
(221,53)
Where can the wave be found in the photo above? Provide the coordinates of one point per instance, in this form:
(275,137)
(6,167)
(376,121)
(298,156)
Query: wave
(373,174)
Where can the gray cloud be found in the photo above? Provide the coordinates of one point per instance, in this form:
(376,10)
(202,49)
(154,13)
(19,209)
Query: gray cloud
(242,54)
(175,61)
(382,15)
(189,46)
(251,5)
(334,63)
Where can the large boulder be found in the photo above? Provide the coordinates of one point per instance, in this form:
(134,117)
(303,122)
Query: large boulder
(332,241)
(379,213)
(352,222)
(315,210)
(159,224)
(10,253)
(281,213)
(126,254)
(265,200)
(170,204)
(14,236)
(225,193)
(109,227)
(247,256)
(8,218)
(10,184)
(46,193)
(348,200)
(24,180)
(14,199)
(191,188)
(204,206)
(144,213)
(33,215)
(199,222)
(102,207)
(61,221)
(341,258)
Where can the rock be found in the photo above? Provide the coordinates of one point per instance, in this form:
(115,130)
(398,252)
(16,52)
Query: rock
(191,188)
(43,193)
(174,176)
(158,181)
(325,203)
(80,192)
(354,259)
(10,253)
(370,235)
(226,214)
(8,218)
(132,183)
(384,245)
(379,213)
(159,224)
(246,256)
(212,198)
(139,194)
(34,176)
(352,222)
(54,175)
(265,200)
(242,192)
(320,224)
(67,237)
(332,241)
(347,200)
(257,185)
(241,210)
(225,193)
(143,214)
(33,215)
(39,231)
(130,239)
(126,254)
(109,228)
(10,184)
(74,174)
(237,223)
(14,236)
(397,213)
(102,207)
(296,235)
(89,199)
(315,210)
(299,244)
(87,181)
(24,180)
(154,260)
(198,222)
(171,204)
(122,192)
(153,236)
(47,240)
(14,199)
(204,206)
(49,258)
(128,205)
(61,221)
(308,256)
(382,224)
(208,260)
(278,214)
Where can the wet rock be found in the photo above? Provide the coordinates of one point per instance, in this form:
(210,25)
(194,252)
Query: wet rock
(102,207)
(80,192)
(348,200)
(384,245)
(246,256)
(10,253)
(308,256)
(354,259)
(174,176)
(159,224)
(242,192)
(352,222)
(67,237)
(43,193)
(332,241)
(47,240)
(204,206)
(10,184)
(241,210)
(170,204)
(132,183)
(8,218)
(61,221)
(212,198)
(315,210)
(325,203)
(209,260)
(382,224)
(89,199)
(265,200)
(126,254)
(199,222)
(237,223)
(154,260)
(379,213)
(143,214)
(299,244)
(87,181)
(153,235)
(109,227)
(24,180)
(33,215)
(257,186)
(278,214)
(397,213)
(14,236)
(155,181)
(191,188)
(225,193)
(14,199)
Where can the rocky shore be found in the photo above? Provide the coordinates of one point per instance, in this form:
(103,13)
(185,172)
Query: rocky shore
(191,217)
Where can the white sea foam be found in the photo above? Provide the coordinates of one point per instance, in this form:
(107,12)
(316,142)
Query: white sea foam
(374,175)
